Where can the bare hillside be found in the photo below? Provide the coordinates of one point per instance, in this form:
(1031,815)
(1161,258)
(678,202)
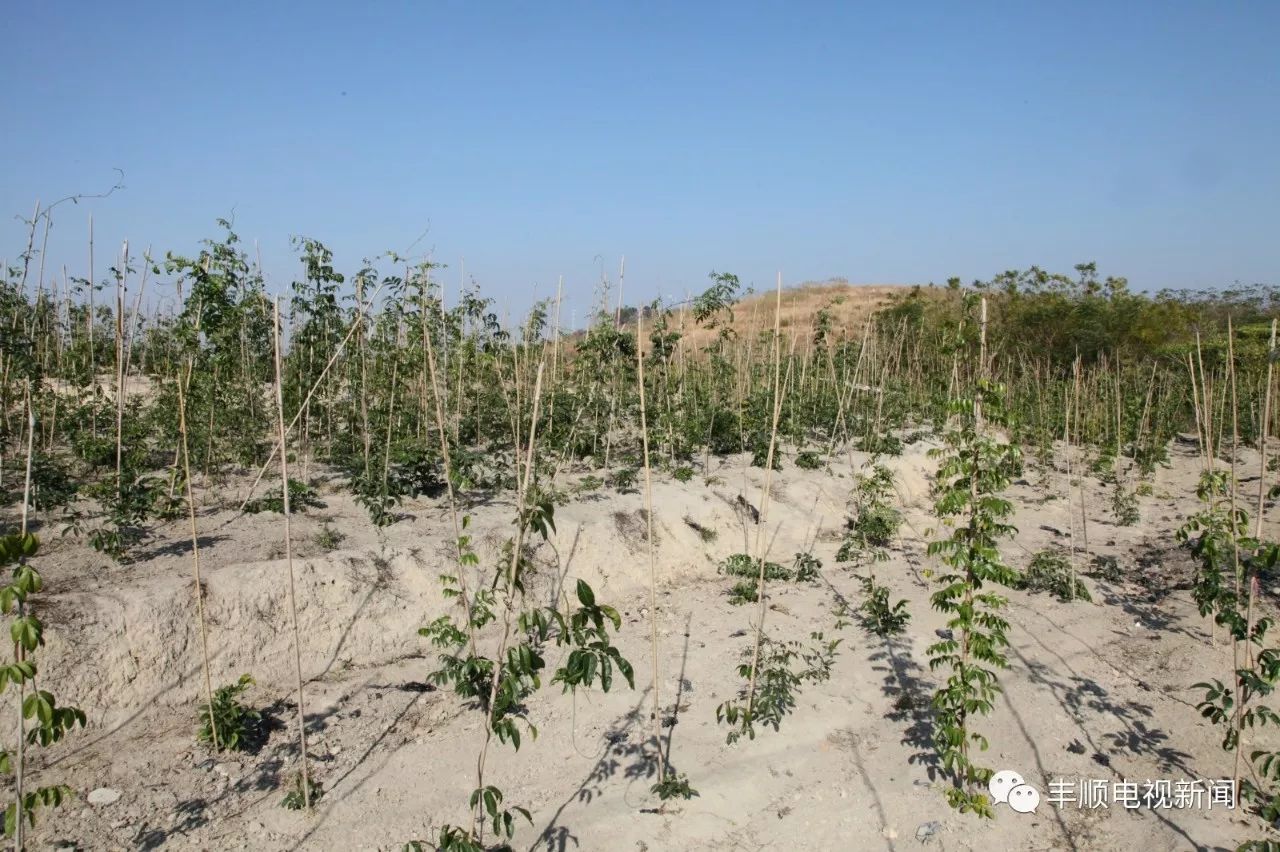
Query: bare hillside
(848,305)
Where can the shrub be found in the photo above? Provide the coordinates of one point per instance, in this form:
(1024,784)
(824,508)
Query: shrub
(1106,567)
(743,591)
(296,799)
(877,524)
(742,565)
(808,460)
(674,787)
(1050,571)
(882,444)
(806,567)
(878,615)
(239,728)
(623,480)
(328,538)
(51,483)
(588,483)
(301,497)
(1124,505)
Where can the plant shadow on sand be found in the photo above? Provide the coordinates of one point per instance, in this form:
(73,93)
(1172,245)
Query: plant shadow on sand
(905,685)
(629,750)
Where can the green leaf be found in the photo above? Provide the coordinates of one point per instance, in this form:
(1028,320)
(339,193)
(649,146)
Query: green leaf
(585,594)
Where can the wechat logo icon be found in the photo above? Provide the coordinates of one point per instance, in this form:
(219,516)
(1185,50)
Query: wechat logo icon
(1010,788)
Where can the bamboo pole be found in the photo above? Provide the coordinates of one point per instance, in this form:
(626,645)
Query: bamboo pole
(764,495)
(93,360)
(288,557)
(120,275)
(1235,542)
(1262,437)
(19,753)
(506,629)
(195,559)
(442,431)
(653,564)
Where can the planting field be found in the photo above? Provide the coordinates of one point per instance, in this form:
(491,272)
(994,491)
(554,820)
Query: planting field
(823,568)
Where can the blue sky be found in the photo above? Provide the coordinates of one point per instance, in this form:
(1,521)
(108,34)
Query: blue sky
(886,143)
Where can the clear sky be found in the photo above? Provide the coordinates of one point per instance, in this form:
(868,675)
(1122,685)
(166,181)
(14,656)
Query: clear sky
(895,142)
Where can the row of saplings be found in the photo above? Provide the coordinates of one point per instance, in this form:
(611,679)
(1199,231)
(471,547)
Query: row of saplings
(974,469)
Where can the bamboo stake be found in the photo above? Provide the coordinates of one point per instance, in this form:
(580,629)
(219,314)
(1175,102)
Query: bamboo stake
(1084,515)
(506,629)
(1262,437)
(653,565)
(442,431)
(555,352)
(19,754)
(195,559)
(133,324)
(1207,407)
(1201,441)
(1071,515)
(120,274)
(1235,539)
(288,557)
(26,256)
(764,493)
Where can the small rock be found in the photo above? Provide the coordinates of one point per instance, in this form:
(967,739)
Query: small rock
(104,796)
(889,833)
(927,830)
(943,633)
(227,769)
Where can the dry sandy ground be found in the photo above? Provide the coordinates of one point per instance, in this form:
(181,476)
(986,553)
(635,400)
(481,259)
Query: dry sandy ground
(1095,691)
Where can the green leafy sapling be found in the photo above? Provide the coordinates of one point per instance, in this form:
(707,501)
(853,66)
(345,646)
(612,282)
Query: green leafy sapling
(1230,560)
(674,786)
(296,799)
(238,727)
(867,536)
(301,497)
(879,615)
(805,569)
(974,470)
(501,685)
(784,668)
(51,721)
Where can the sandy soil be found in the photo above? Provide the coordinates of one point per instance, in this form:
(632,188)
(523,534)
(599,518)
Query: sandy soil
(1095,691)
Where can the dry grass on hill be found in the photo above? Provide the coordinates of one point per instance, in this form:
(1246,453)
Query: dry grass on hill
(849,306)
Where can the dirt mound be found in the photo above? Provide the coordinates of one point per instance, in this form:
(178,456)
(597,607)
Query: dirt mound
(362,605)
(353,609)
